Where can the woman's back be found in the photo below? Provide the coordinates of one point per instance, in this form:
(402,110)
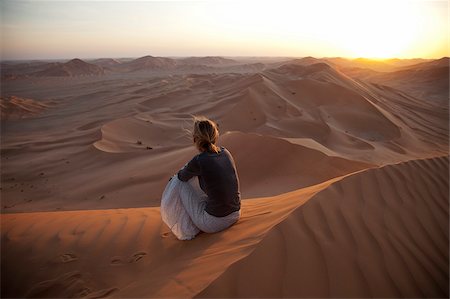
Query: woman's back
(218,178)
(218,205)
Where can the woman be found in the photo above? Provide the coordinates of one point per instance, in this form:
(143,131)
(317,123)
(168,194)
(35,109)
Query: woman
(219,206)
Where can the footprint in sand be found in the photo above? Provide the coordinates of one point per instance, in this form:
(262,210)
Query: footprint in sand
(137,256)
(117,260)
(165,235)
(102,293)
(68,257)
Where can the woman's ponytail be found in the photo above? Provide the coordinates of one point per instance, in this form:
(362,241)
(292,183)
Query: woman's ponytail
(206,134)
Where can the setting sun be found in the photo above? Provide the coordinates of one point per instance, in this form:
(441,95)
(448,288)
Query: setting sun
(390,29)
(373,29)
(383,30)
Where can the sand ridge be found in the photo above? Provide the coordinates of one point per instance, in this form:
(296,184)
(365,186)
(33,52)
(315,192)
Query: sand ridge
(313,231)
(379,233)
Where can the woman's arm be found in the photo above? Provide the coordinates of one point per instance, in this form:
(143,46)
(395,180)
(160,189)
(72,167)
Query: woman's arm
(191,169)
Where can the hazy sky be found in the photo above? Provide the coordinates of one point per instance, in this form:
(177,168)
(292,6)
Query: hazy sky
(349,28)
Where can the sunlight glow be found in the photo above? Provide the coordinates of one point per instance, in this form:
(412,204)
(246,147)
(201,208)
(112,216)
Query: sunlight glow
(346,28)
(385,31)
(352,28)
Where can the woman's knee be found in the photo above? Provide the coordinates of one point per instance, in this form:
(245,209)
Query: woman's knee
(216,225)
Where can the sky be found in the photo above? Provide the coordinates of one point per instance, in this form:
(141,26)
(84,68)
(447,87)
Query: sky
(322,28)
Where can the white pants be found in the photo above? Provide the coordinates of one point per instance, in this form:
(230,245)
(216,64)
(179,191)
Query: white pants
(183,210)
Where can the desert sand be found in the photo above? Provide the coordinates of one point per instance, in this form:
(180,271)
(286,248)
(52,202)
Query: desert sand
(343,168)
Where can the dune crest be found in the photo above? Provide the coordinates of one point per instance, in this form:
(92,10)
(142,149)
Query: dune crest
(374,233)
(378,233)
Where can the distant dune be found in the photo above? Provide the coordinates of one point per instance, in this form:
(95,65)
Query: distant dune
(138,123)
(427,80)
(405,62)
(423,78)
(72,68)
(430,64)
(14,69)
(149,63)
(13,108)
(308,61)
(386,65)
(105,62)
(208,60)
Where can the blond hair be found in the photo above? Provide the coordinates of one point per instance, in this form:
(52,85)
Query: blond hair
(205,134)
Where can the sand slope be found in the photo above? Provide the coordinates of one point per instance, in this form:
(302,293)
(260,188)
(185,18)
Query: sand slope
(380,233)
(291,166)
(114,140)
(427,80)
(13,108)
(377,233)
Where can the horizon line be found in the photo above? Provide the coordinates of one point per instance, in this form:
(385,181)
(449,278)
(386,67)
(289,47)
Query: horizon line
(222,56)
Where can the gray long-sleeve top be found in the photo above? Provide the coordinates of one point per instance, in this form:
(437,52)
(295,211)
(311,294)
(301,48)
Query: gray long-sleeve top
(218,178)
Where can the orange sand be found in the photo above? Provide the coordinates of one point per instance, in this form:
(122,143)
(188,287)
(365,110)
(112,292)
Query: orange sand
(344,180)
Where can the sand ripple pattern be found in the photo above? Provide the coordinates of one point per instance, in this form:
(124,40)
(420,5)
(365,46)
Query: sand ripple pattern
(380,233)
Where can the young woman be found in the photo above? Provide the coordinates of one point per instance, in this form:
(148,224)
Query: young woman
(211,205)
(217,176)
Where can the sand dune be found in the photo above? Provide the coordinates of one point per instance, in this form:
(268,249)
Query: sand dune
(24,68)
(405,62)
(148,63)
(292,166)
(344,180)
(427,65)
(105,62)
(384,65)
(136,124)
(13,107)
(423,78)
(428,80)
(376,233)
(208,64)
(368,239)
(208,60)
(72,68)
